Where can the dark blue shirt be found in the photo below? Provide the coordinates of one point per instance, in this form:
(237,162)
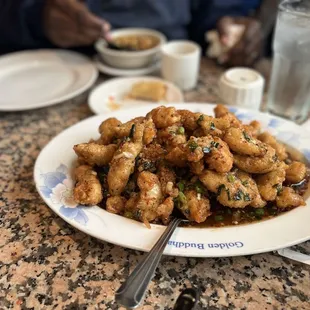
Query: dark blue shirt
(21,20)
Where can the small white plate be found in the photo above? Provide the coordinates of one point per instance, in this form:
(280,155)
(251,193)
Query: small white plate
(110,96)
(35,79)
(106,69)
(54,182)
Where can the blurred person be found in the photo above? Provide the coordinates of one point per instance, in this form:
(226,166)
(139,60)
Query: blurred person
(31,24)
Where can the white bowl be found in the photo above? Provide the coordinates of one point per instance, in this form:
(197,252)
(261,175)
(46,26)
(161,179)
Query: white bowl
(130,59)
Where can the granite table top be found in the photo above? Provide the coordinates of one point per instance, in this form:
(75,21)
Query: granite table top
(46,264)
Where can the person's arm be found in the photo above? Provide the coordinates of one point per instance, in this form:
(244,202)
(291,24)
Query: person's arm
(257,29)
(21,25)
(26,24)
(266,14)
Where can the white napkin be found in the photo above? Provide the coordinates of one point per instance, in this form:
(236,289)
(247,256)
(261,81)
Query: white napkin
(294,255)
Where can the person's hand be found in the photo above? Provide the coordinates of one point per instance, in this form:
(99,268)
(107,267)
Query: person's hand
(68,23)
(249,48)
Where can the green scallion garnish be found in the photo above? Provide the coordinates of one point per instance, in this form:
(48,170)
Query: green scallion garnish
(181,131)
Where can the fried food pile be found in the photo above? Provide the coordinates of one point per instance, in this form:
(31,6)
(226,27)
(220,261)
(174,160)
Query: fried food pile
(178,159)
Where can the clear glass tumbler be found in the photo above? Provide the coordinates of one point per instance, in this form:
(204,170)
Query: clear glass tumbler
(289,92)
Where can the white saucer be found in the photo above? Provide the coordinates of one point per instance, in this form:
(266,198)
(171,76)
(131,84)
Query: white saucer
(110,96)
(35,79)
(106,69)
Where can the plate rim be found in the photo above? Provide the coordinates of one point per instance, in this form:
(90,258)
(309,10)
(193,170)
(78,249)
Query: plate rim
(92,79)
(117,72)
(80,227)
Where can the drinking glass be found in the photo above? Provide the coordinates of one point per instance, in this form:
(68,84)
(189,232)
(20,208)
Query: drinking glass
(289,92)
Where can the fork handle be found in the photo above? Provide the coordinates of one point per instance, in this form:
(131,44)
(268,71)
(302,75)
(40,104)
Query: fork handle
(132,291)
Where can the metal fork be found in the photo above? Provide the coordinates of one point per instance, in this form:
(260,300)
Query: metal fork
(132,291)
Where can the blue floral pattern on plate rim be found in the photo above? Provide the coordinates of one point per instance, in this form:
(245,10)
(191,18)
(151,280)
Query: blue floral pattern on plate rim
(57,186)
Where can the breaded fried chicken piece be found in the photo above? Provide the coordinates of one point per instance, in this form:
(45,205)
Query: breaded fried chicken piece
(230,191)
(250,184)
(270,140)
(123,162)
(164,116)
(150,196)
(214,150)
(269,184)
(189,119)
(221,110)
(198,206)
(115,204)
(149,131)
(243,143)
(107,130)
(88,190)
(257,164)
(171,136)
(167,180)
(95,154)
(296,172)
(288,199)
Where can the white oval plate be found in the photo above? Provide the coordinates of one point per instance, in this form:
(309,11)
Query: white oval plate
(111,95)
(54,182)
(104,68)
(35,79)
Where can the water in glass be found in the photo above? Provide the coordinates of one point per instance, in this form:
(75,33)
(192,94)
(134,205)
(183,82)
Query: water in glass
(289,92)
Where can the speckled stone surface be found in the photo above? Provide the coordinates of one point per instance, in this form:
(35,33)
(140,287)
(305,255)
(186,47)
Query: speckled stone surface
(46,264)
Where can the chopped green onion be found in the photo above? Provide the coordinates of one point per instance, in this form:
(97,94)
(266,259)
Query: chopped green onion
(246,136)
(259,211)
(246,197)
(182,197)
(228,211)
(219,218)
(273,210)
(128,214)
(278,187)
(181,186)
(214,144)
(199,188)
(252,215)
(132,131)
(219,189)
(137,214)
(228,193)
(200,119)
(181,131)
(275,158)
(172,132)
(231,178)
(212,126)
(206,150)
(192,145)
(239,194)
(125,139)
(245,182)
